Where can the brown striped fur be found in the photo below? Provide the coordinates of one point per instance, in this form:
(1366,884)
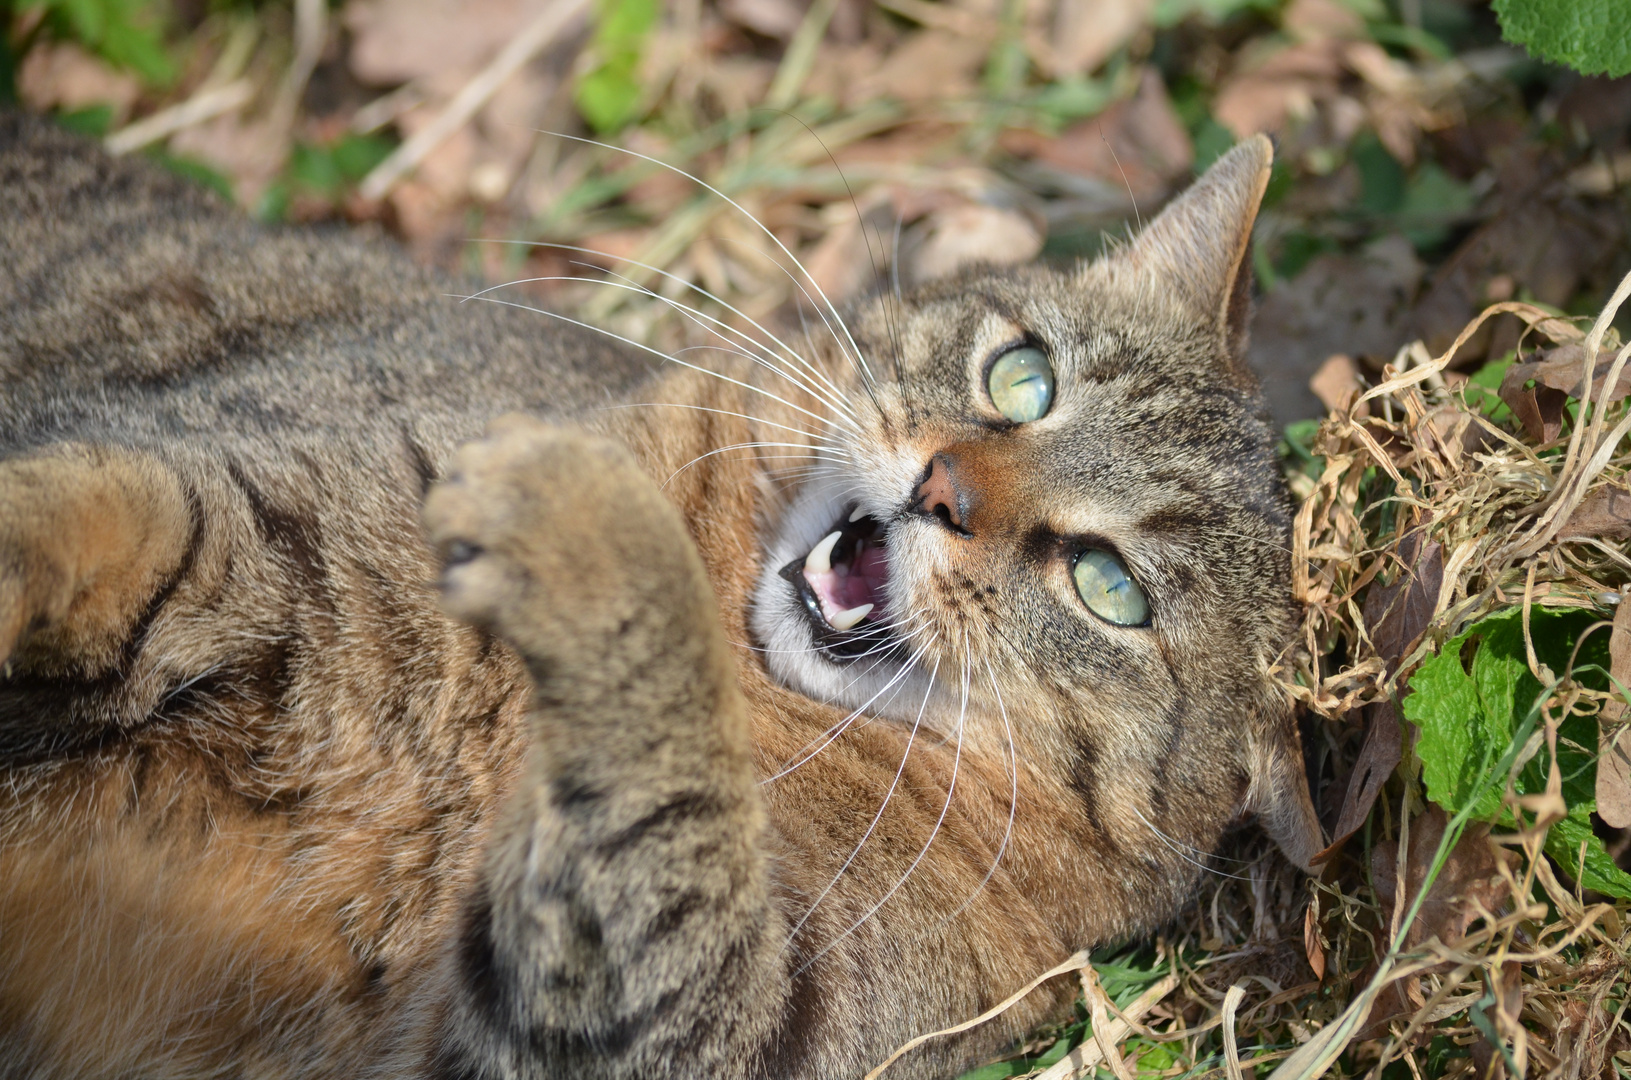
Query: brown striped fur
(270,810)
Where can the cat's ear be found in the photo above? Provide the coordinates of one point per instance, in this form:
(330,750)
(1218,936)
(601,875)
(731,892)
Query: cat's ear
(1278,793)
(1198,250)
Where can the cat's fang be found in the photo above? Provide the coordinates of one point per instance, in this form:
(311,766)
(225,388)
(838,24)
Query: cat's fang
(846,619)
(819,561)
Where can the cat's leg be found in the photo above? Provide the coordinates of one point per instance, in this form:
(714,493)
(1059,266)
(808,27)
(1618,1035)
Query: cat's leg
(88,536)
(623,925)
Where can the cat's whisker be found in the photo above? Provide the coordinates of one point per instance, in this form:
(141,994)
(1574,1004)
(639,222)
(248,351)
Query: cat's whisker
(792,354)
(838,728)
(720,412)
(765,359)
(1178,849)
(917,724)
(733,351)
(658,353)
(1011,759)
(739,208)
(951,788)
(808,451)
(648,349)
(1256,540)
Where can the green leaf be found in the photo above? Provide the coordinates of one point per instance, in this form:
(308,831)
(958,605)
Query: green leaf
(93,120)
(609,95)
(1470,699)
(1598,872)
(1591,36)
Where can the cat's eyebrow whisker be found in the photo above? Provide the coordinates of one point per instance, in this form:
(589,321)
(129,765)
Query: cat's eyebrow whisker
(951,788)
(846,422)
(1179,850)
(1254,539)
(739,208)
(868,381)
(654,352)
(893,784)
(700,291)
(764,358)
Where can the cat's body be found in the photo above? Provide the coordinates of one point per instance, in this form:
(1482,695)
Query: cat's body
(268,811)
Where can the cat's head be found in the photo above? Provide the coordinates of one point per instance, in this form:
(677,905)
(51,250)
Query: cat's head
(1048,503)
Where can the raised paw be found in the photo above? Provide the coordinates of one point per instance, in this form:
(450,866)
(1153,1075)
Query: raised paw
(559,543)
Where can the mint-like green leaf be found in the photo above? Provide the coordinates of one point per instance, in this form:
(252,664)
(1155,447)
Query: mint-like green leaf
(1468,718)
(1591,36)
(1599,872)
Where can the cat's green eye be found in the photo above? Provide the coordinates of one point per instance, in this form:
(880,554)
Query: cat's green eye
(1021,384)
(1108,590)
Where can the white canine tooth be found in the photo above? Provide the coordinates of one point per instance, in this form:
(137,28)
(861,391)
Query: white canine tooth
(844,620)
(819,561)
(857,514)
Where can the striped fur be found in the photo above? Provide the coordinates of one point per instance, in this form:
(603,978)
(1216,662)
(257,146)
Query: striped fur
(302,779)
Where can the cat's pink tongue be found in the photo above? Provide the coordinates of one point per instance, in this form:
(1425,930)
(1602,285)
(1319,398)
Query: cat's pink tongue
(856,584)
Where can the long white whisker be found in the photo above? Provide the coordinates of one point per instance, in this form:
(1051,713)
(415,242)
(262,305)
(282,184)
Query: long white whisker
(699,290)
(1013,796)
(808,451)
(1169,842)
(853,358)
(951,787)
(838,728)
(739,208)
(654,352)
(763,358)
(893,784)
(721,412)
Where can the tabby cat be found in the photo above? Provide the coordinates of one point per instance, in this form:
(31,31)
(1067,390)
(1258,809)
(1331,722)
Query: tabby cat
(729,723)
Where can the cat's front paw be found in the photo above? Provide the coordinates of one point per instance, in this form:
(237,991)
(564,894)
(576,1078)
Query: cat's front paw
(556,540)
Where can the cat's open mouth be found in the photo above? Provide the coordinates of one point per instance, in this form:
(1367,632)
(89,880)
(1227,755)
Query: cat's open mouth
(843,584)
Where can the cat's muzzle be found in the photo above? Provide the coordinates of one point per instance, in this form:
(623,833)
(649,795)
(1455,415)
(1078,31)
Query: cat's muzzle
(843,585)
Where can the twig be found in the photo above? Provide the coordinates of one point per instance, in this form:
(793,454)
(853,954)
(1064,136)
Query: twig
(310,32)
(1083,1059)
(549,25)
(1075,963)
(205,105)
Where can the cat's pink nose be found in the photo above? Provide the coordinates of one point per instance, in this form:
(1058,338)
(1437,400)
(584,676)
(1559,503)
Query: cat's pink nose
(939,496)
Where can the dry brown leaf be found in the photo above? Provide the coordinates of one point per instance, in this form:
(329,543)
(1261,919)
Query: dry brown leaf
(1282,87)
(771,18)
(1396,616)
(1614,742)
(1469,881)
(1562,369)
(64,76)
(1138,144)
(394,41)
(1086,32)
(1313,947)
(931,65)
(1336,383)
(1358,305)
(972,233)
(1606,512)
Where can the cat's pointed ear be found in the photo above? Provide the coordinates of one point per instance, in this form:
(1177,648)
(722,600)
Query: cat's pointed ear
(1198,248)
(1278,793)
